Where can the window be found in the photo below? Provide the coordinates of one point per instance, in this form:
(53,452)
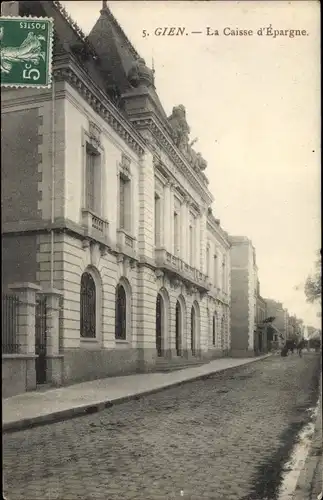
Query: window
(157,220)
(223,275)
(124,203)
(215,269)
(88,306)
(214,329)
(222,333)
(92,179)
(207,260)
(121,313)
(193,326)
(191,249)
(176,233)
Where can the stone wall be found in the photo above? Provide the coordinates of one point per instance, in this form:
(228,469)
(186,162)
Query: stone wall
(239,309)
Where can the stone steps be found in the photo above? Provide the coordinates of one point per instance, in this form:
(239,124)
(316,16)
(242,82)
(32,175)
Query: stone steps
(164,365)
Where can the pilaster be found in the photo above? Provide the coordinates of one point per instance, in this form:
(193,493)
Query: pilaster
(184,230)
(146,203)
(167,215)
(197,262)
(170,222)
(203,234)
(26,293)
(188,246)
(26,324)
(146,319)
(54,359)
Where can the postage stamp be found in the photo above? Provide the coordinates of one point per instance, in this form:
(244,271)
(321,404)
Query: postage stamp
(26,51)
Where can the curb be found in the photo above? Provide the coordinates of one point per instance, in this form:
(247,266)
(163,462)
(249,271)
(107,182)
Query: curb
(88,409)
(314,460)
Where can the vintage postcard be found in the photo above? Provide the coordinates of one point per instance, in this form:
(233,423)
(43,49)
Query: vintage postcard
(161,263)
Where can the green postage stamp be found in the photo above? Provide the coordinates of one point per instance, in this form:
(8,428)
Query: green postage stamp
(26,51)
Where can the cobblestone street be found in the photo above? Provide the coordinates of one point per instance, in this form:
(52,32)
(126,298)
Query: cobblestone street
(222,438)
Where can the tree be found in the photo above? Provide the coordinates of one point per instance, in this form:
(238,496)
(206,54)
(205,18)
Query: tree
(313,284)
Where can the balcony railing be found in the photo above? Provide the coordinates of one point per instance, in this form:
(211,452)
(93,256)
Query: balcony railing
(173,263)
(95,225)
(218,293)
(125,241)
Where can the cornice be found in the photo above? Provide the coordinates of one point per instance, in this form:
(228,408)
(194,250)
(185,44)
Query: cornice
(149,122)
(218,232)
(68,70)
(178,189)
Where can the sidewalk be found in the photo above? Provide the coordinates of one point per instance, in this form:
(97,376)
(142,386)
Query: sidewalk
(36,408)
(310,484)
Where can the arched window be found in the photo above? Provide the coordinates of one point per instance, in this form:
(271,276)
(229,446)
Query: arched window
(88,306)
(159,325)
(214,329)
(121,313)
(193,330)
(178,328)
(222,332)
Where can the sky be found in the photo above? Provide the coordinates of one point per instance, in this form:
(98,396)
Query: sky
(253,102)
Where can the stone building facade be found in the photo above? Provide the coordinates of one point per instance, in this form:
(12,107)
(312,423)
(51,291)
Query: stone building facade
(244,296)
(295,328)
(260,340)
(277,310)
(105,200)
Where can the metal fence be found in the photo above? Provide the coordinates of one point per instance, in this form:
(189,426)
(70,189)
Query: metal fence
(9,324)
(41,339)
(60,324)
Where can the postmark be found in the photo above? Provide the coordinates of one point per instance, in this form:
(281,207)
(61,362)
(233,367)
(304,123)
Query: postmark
(26,45)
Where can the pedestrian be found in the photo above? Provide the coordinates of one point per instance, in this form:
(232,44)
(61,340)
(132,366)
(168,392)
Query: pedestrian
(284,351)
(300,347)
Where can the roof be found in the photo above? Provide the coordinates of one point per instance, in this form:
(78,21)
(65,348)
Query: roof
(68,37)
(117,54)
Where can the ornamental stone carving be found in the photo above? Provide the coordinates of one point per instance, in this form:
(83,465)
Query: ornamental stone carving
(159,273)
(176,283)
(201,163)
(132,264)
(191,290)
(125,165)
(181,130)
(140,74)
(86,243)
(103,250)
(95,134)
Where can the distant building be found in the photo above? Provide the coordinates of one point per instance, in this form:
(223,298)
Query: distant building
(275,309)
(286,318)
(261,315)
(244,297)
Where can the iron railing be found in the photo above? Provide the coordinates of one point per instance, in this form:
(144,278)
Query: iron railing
(9,324)
(41,339)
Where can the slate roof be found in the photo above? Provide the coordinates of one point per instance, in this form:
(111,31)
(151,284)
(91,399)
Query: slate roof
(69,39)
(117,54)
